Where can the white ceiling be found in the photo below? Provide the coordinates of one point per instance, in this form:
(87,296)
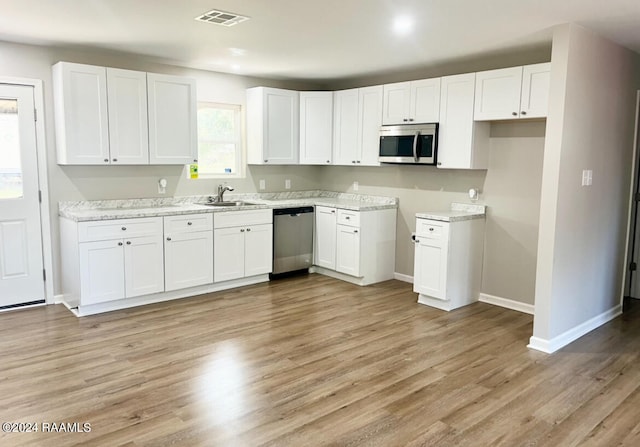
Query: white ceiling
(304,39)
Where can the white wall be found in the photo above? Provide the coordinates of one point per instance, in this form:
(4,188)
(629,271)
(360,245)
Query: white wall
(582,232)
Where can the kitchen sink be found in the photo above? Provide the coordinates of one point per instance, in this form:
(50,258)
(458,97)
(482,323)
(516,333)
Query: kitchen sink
(238,203)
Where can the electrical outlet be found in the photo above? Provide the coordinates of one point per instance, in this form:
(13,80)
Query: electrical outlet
(263,185)
(356,186)
(162,186)
(287,184)
(587,177)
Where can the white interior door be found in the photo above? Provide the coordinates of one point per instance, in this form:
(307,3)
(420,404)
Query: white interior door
(21,269)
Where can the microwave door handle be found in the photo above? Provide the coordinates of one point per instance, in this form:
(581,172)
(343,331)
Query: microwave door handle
(415,146)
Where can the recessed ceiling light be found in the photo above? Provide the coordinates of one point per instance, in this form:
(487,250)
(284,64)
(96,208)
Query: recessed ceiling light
(221,18)
(238,51)
(402,25)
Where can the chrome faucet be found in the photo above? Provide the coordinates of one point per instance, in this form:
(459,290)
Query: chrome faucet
(221,190)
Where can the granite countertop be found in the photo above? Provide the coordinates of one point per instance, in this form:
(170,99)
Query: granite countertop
(458,212)
(134,208)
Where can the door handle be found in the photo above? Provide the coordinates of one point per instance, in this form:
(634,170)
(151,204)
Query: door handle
(415,146)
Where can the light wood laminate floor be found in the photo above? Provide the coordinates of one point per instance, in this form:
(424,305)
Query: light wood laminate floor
(314,361)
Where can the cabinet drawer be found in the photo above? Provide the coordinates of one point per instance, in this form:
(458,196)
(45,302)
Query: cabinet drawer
(242,218)
(188,223)
(103,230)
(350,218)
(431,229)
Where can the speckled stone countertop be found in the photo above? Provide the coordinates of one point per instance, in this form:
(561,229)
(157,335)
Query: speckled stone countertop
(132,208)
(458,212)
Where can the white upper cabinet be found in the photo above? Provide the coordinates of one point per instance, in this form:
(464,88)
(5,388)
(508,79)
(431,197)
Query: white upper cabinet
(462,142)
(357,121)
(127,99)
(316,127)
(272,126)
(80,101)
(512,93)
(534,101)
(411,102)
(173,135)
(123,117)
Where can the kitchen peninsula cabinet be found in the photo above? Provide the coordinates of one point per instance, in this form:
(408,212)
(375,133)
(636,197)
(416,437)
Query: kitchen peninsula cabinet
(448,262)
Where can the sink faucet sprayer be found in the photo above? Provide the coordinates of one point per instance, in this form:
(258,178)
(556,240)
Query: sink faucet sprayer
(221,190)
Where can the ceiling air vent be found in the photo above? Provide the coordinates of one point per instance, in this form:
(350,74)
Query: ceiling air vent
(221,18)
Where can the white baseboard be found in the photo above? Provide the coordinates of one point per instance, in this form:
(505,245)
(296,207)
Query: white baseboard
(507,303)
(58,299)
(562,340)
(402,277)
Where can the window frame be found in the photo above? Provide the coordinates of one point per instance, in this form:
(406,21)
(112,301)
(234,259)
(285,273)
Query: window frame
(239,141)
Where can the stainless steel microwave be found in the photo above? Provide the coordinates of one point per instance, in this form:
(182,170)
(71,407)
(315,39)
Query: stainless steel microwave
(409,143)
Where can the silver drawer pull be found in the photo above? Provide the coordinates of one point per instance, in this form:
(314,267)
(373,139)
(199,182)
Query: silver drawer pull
(119,244)
(431,229)
(169,239)
(189,223)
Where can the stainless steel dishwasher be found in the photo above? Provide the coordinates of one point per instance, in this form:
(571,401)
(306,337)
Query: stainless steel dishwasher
(292,239)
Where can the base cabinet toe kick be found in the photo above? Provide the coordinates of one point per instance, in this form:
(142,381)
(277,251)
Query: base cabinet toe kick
(120,263)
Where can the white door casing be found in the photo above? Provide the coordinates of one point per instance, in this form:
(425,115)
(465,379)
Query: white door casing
(21,260)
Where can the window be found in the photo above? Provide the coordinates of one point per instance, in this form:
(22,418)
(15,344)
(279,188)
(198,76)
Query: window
(10,162)
(219,140)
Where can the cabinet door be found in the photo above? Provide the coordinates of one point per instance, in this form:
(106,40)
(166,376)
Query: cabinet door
(101,271)
(188,259)
(258,250)
(369,122)
(228,254)
(82,130)
(534,101)
(462,143)
(498,94)
(281,126)
(325,237)
(316,127)
(173,138)
(345,127)
(397,100)
(143,266)
(348,250)
(425,101)
(430,267)
(128,122)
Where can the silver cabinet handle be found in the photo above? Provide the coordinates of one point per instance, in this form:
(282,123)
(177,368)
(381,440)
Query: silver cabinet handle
(169,239)
(120,244)
(355,231)
(124,228)
(410,119)
(128,242)
(347,217)
(189,223)
(106,160)
(115,159)
(523,113)
(333,211)
(405,120)
(248,229)
(328,161)
(514,113)
(430,229)
(241,230)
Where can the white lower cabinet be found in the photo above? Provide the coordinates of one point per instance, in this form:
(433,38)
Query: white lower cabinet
(325,237)
(448,262)
(359,245)
(348,250)
(243,244)
(188,251)
(111,260)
